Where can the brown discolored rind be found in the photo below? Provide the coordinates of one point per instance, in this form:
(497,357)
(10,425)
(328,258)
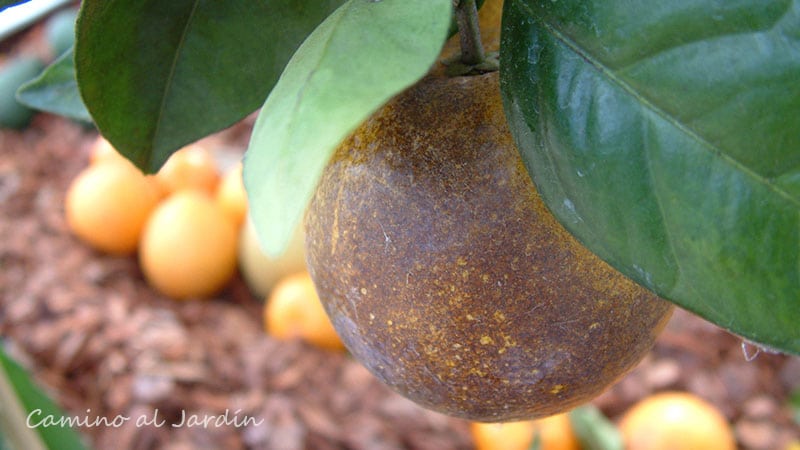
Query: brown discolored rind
(446,276)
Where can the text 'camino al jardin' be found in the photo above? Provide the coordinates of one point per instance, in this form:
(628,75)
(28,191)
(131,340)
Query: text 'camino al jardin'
(37,418)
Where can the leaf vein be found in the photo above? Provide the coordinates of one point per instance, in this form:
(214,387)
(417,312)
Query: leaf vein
(173,68)
(649,105)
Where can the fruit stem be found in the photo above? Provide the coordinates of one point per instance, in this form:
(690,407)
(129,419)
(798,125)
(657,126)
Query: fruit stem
(473,58)
(472,52)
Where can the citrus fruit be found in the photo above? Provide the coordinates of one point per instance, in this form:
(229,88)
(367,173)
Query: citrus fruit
(446,275)
(293,311)
(188,248)
(556,433)
(502,436)
(107,205)
(259,270)
(553,433)
(102,150)
(231,196)
(191,167)
(675,420)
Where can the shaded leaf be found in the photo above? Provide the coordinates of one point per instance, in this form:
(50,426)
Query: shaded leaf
(6,3)
(361,56)
(35,406)
(665,137)
(157,75)
(56,91)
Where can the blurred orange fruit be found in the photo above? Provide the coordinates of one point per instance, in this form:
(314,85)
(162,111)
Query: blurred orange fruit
(108,203)
(231,196)
(192,167)
(502,436)
(293,310)
(260,271)
(188,248)
(102,150)
(555,433)
(675,420)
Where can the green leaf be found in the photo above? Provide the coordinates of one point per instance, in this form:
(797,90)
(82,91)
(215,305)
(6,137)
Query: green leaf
(7,3)
(156,75)
(665,137)
(59,31)
(24,406)
(363,54)
(536,443)
(594,430)
(56,91)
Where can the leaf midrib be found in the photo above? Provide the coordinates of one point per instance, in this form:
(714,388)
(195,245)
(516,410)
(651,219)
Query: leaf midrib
(170,81)
(647,104)
(290,125)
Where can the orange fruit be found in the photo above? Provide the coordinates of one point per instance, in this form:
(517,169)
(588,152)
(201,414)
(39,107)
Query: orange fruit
(192,167)
(231,196)
(675,420)
(188,248)
(502,436)
(102,150)
(293,310)
(260,271)
(108,203)
(555,433)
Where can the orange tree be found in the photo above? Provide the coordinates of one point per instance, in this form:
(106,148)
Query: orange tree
(664,137)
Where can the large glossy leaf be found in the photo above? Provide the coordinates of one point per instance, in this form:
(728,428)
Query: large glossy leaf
(666,137)
(363,54)
(56,90)
(156,75)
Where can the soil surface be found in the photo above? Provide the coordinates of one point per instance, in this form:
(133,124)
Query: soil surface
(104,344)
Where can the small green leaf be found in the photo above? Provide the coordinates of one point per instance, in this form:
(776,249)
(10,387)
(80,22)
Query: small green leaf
(666,139)
(56,91)
(594,430)
(794,404)
(536,443)
(363,54)
(156,75)
(33,407)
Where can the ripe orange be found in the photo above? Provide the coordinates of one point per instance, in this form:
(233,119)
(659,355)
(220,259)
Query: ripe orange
(231,196)
(502,436)
(675,420)
(192,167)
(188,248)
(102,150)
(260,271)
(555,433)
(108,203)
(293,310)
